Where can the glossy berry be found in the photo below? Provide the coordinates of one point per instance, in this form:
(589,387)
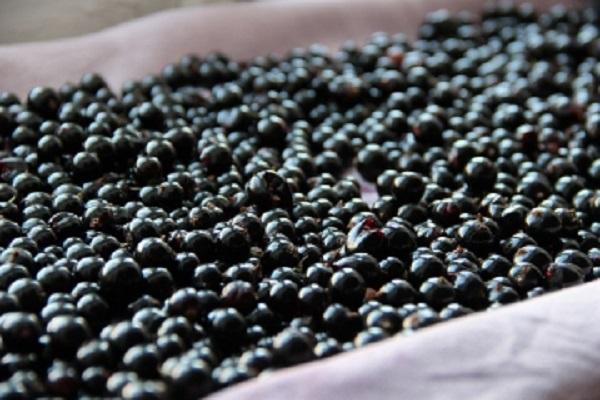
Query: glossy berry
(397,292)
(120,280)
(228,325)
(480,173)
(408,187)
(67,334)
(20,332)
(438,292)
(347,287)
(292,347)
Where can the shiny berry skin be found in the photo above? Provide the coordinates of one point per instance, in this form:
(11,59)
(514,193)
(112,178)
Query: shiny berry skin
(20,332)
(228,325)
(454,310)
(525,275)
(420,318)
(313,299)
(95,353)
(216,159)
(371,162)
(364,264)
(94,309)
(268,190)
(542,221)
(408,187)
(470,290)
(495,265)
(533,254)
(67,333)
(272,131)
(397,292)
(44,101)
(239,295)
(438,292)
(201,243)
(280,252)
(8,231)
(576,257)
(393,268)
(386,318)
(426,266)
(29,294)
(292,347)
(347,287)
(561,275)
(340,322)
(93,380)
(234,244)
(476,236)
(370,335)
(188,379)
(154,252)
(86,166)
(319,274)
(143,360)
(120,280)
(428,129)
(366,237)
(480,173)
(63,379)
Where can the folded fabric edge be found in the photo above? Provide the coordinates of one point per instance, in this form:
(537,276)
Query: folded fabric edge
(541,348)
(142,46)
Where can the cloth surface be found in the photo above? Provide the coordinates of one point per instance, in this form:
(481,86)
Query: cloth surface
(546,348)
(543,349)
(245,30)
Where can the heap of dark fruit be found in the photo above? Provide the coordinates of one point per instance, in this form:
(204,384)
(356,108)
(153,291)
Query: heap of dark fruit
(198,229)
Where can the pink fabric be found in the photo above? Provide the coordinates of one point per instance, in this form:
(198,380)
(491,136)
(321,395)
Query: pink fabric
(239,30)
(546,348)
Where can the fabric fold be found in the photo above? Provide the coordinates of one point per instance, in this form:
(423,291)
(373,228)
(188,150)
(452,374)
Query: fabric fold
(544,348)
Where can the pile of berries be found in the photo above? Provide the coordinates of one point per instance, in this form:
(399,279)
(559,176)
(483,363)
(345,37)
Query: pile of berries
(201,226)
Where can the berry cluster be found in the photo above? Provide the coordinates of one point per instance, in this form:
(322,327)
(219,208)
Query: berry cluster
(200,227)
